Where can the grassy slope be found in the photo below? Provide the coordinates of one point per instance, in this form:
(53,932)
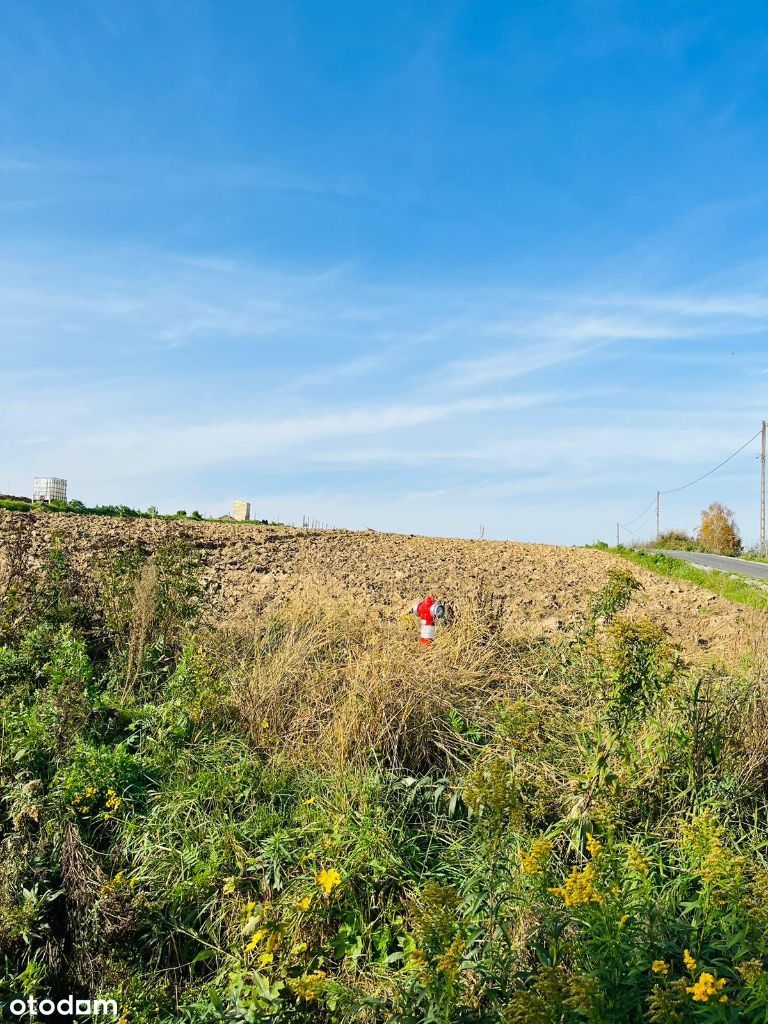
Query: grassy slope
(313,819)
(731,587)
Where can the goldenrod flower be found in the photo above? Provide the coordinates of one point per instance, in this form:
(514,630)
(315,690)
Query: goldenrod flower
(308,986)
(580,887)
(706,987)
(636,862)
(532,862)
(450,962)
(660,967)
(594,846)
(328,879)
(688,960)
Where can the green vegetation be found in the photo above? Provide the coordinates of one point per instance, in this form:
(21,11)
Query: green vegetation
(120,511)
(15,506)
(734,588)
(717,534)
(311,818)
(674,540)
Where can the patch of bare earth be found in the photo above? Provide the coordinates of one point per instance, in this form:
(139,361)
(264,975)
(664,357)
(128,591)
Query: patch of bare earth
(536,588)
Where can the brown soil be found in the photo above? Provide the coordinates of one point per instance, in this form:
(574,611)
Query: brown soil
(539,588)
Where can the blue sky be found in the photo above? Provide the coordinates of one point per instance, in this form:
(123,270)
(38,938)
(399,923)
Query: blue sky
(424,267)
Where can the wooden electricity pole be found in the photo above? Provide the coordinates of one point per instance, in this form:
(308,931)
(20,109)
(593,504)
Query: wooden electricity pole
(762,492)
(658,514)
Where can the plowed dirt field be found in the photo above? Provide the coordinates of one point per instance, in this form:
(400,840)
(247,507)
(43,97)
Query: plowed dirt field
(537,588)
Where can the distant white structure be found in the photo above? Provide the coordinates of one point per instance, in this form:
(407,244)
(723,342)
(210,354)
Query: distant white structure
(49,488)
(241,510)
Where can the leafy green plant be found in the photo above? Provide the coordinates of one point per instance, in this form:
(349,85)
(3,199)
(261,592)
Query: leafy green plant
(311,819)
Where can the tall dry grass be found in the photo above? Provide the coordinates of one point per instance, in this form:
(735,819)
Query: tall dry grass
(324,680)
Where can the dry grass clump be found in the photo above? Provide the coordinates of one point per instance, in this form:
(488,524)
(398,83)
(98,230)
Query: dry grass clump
(145,609)
(330,681)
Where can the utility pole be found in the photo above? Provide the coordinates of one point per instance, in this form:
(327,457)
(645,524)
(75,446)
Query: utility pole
(618,540)
(658,514)
(762,492)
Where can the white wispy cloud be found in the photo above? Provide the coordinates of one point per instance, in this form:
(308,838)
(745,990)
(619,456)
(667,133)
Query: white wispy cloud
(159,447)
(139,367)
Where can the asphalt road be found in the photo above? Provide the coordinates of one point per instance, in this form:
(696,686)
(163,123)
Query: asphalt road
(758,570)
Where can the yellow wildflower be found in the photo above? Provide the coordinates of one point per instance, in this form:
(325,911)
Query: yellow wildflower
(450,962)
(624,919)
(594,846)
(304,903)
(636,862)
(706,987)
(255,939)
(532,862)
(579,888)
(113,801)
(328,879)
(660,967)
(418,958)
(308,986)
(417,962)
(266,958)
(688,960)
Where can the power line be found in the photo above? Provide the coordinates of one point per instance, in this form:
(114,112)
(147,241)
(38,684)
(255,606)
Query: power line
(647,507)
(630,531)
(675,490)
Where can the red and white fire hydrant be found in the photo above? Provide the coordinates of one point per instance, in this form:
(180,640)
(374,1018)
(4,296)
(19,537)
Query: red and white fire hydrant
(428,611)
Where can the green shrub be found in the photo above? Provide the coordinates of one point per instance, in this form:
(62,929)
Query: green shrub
(311,819)
(615,595)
